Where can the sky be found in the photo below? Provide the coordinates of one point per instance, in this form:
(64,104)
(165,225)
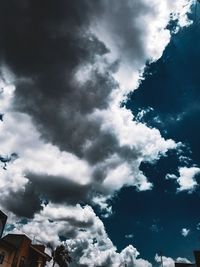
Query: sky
(99,108)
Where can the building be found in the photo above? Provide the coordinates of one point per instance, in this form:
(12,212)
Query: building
(17,250)
(196,264)
(3,219)
(197,257)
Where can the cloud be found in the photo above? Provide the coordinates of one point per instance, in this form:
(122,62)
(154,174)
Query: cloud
(198,226)
(129,236)
(185,232)
(109,156)
(156,228)
(68,90)
(66,67)
(182,260)
(186,179)
(40,164)
(85,235)
(151,39)
(169,262)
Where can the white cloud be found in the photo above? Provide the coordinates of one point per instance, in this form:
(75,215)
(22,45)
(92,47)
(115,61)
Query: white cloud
(147,19)
(129,236)
(185,232)
(44,159)
(87,241)
(186,179)
(169,262)
(182,260)
(102,203)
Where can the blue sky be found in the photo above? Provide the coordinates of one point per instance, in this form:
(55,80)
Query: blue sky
(171,89)
(99,130)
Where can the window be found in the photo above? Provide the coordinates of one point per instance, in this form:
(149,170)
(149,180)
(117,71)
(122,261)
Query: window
(2,256)
(22,262)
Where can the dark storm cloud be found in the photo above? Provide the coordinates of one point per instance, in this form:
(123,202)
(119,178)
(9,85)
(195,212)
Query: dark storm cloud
(36,34)
(44,44)
(47,45)
(66,191)
(24,202)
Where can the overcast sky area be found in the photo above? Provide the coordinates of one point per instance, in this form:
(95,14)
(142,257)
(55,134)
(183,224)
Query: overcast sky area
(99,128)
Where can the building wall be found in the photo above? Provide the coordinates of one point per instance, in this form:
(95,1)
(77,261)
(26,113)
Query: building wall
(9,256)
(19,252)
(23,252)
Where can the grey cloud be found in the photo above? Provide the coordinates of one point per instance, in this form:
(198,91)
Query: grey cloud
(102,147)
(45,44)
(66,191)
(75,222)
(128,35)
(24,202)
(61,108)
(28,200)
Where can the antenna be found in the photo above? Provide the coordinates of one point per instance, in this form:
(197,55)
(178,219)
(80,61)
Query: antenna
(161,258)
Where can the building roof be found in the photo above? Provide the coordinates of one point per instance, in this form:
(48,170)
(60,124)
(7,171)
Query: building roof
(43,254)
(15,239)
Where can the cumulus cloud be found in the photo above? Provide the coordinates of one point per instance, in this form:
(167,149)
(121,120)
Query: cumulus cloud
(186,179)
(85,236)
(65,99)
(66,68)
(40,164)
(135,19)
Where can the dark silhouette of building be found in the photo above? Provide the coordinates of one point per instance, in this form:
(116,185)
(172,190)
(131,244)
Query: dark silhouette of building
(3,219)
(197,257)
